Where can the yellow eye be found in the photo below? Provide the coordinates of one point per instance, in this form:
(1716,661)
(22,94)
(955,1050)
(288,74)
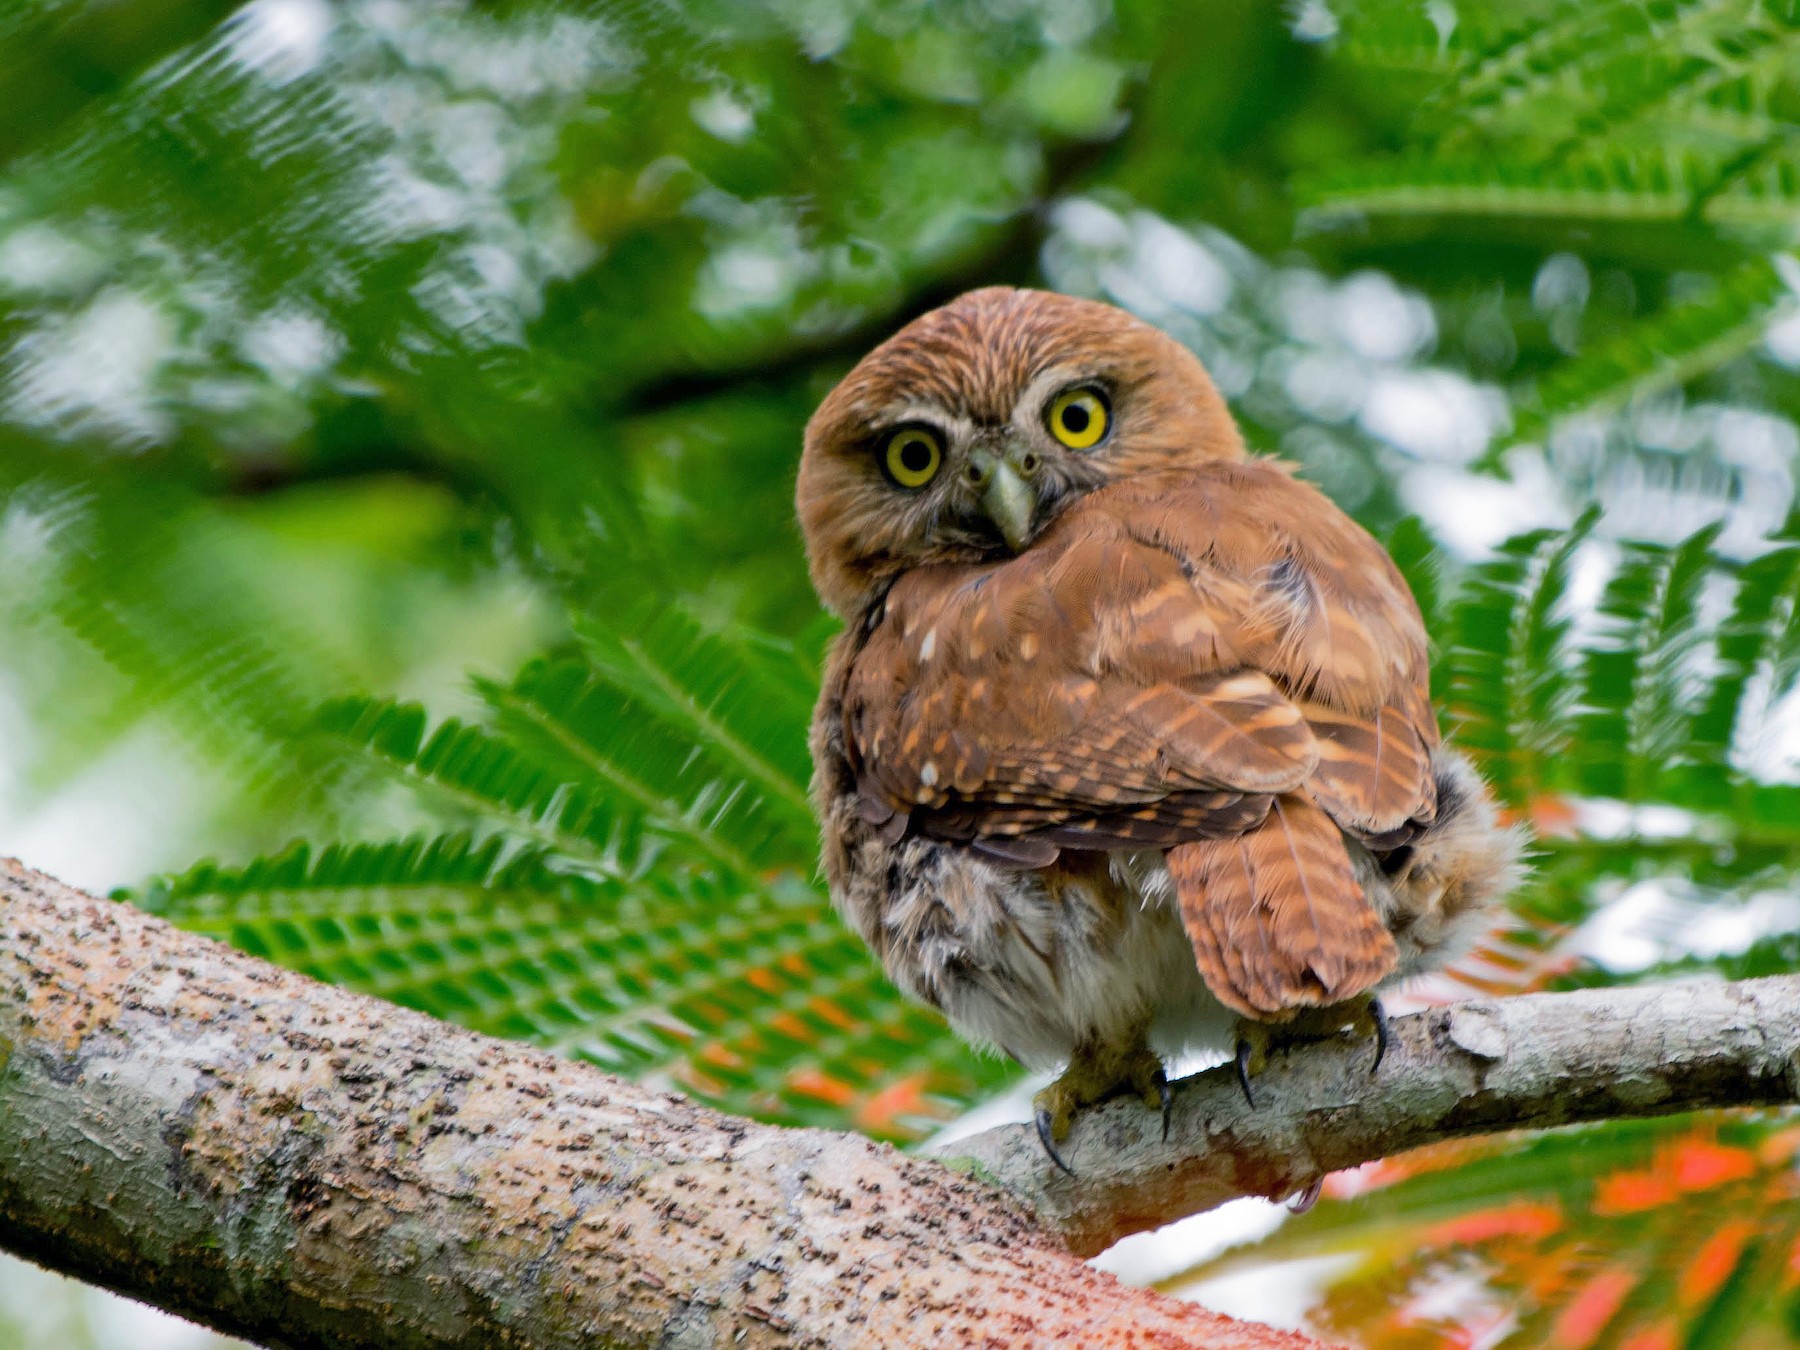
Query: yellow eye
(913,457)
(1078,418)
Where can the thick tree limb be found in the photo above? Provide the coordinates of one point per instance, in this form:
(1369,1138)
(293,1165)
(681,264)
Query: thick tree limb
(306,1167)
(1474,1068)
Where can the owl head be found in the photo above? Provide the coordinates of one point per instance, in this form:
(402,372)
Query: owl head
(962,436)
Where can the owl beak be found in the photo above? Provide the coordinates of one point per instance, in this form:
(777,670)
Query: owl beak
(1009,501)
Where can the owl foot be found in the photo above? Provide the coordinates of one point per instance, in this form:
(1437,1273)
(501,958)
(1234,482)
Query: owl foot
(1255,1040)
(1095,1073)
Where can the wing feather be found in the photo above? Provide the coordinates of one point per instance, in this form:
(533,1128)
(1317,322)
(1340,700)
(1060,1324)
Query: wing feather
(1374,773)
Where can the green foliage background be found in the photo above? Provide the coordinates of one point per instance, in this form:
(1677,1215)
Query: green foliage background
(398,415)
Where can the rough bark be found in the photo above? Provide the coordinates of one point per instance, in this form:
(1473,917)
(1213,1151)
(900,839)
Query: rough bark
(306,1167)
(1529,1062)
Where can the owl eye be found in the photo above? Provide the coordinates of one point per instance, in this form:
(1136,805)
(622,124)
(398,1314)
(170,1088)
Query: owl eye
(1079,418)
(913,457)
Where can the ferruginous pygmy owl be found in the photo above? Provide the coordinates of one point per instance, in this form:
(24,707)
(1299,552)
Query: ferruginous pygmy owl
(1128,730)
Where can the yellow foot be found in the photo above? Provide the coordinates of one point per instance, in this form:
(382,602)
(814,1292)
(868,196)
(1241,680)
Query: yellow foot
(1095,1073)
(1255,1040)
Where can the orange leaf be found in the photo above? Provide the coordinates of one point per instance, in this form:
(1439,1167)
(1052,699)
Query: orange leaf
(721,1056)
(1587,1315)
(903,1097)
(1521,1220)
(1779,1147)
(1701,1164)
(791,1027)
(1632,1192)
(702,1083)
(1551,816)
(830,1012)
(1713,1263)
(764,979)
(820,1085)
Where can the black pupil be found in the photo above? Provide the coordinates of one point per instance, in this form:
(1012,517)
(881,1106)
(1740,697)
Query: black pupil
(1075,419)
(915,456)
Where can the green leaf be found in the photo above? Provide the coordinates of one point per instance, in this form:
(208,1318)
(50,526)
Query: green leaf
(1639,683)
(1665,351)
(489,779)
(748,700)
(1760,639)
(1510,697)
(585,730)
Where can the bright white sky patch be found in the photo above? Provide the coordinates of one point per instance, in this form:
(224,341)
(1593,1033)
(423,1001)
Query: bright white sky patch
(1653,922)
(1473,514)
(95,370)
(1178,266)
(1280,1293)
(36,259)
(282,39)
(1382,322)
(728,118)
(1150,1258)
(291,345)
(1434,414)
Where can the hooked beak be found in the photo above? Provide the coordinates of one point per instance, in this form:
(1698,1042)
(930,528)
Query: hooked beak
(1008,499)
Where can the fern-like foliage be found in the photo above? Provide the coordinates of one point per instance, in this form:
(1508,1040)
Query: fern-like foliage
(1656,133)
(1509,693)
(623,869)
(1667,350)
(131,602)
(1644,1234)
(1655,701)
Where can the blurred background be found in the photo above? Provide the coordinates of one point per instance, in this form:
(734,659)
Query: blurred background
(399,406)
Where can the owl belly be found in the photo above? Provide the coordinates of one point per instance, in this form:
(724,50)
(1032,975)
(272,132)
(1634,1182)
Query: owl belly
(1033,962)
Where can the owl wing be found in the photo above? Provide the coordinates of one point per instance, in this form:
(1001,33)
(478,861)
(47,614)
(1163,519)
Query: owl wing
(1216,662)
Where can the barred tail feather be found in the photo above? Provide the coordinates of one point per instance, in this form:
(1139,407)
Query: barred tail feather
(1277,917)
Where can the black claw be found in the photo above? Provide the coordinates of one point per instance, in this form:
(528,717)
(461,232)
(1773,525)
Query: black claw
(1167,1094)
(1043,1129)
(1306,1199)
(1379,1015)
(1243,1070)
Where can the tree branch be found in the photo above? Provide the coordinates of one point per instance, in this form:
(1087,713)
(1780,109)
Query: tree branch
(310,1168)
(1529,1062)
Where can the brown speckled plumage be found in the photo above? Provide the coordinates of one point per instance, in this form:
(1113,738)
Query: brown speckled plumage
(1173,754)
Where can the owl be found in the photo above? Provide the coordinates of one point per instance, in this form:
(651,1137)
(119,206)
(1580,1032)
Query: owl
(1127,746)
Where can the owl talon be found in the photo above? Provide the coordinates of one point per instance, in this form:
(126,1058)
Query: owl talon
(1244,1055)
(1305,1199)
(1046,1136)
(1167,1096)
(1378,1015)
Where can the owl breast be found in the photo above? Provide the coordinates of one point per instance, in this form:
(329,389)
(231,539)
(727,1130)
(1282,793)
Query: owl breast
(1032,962)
